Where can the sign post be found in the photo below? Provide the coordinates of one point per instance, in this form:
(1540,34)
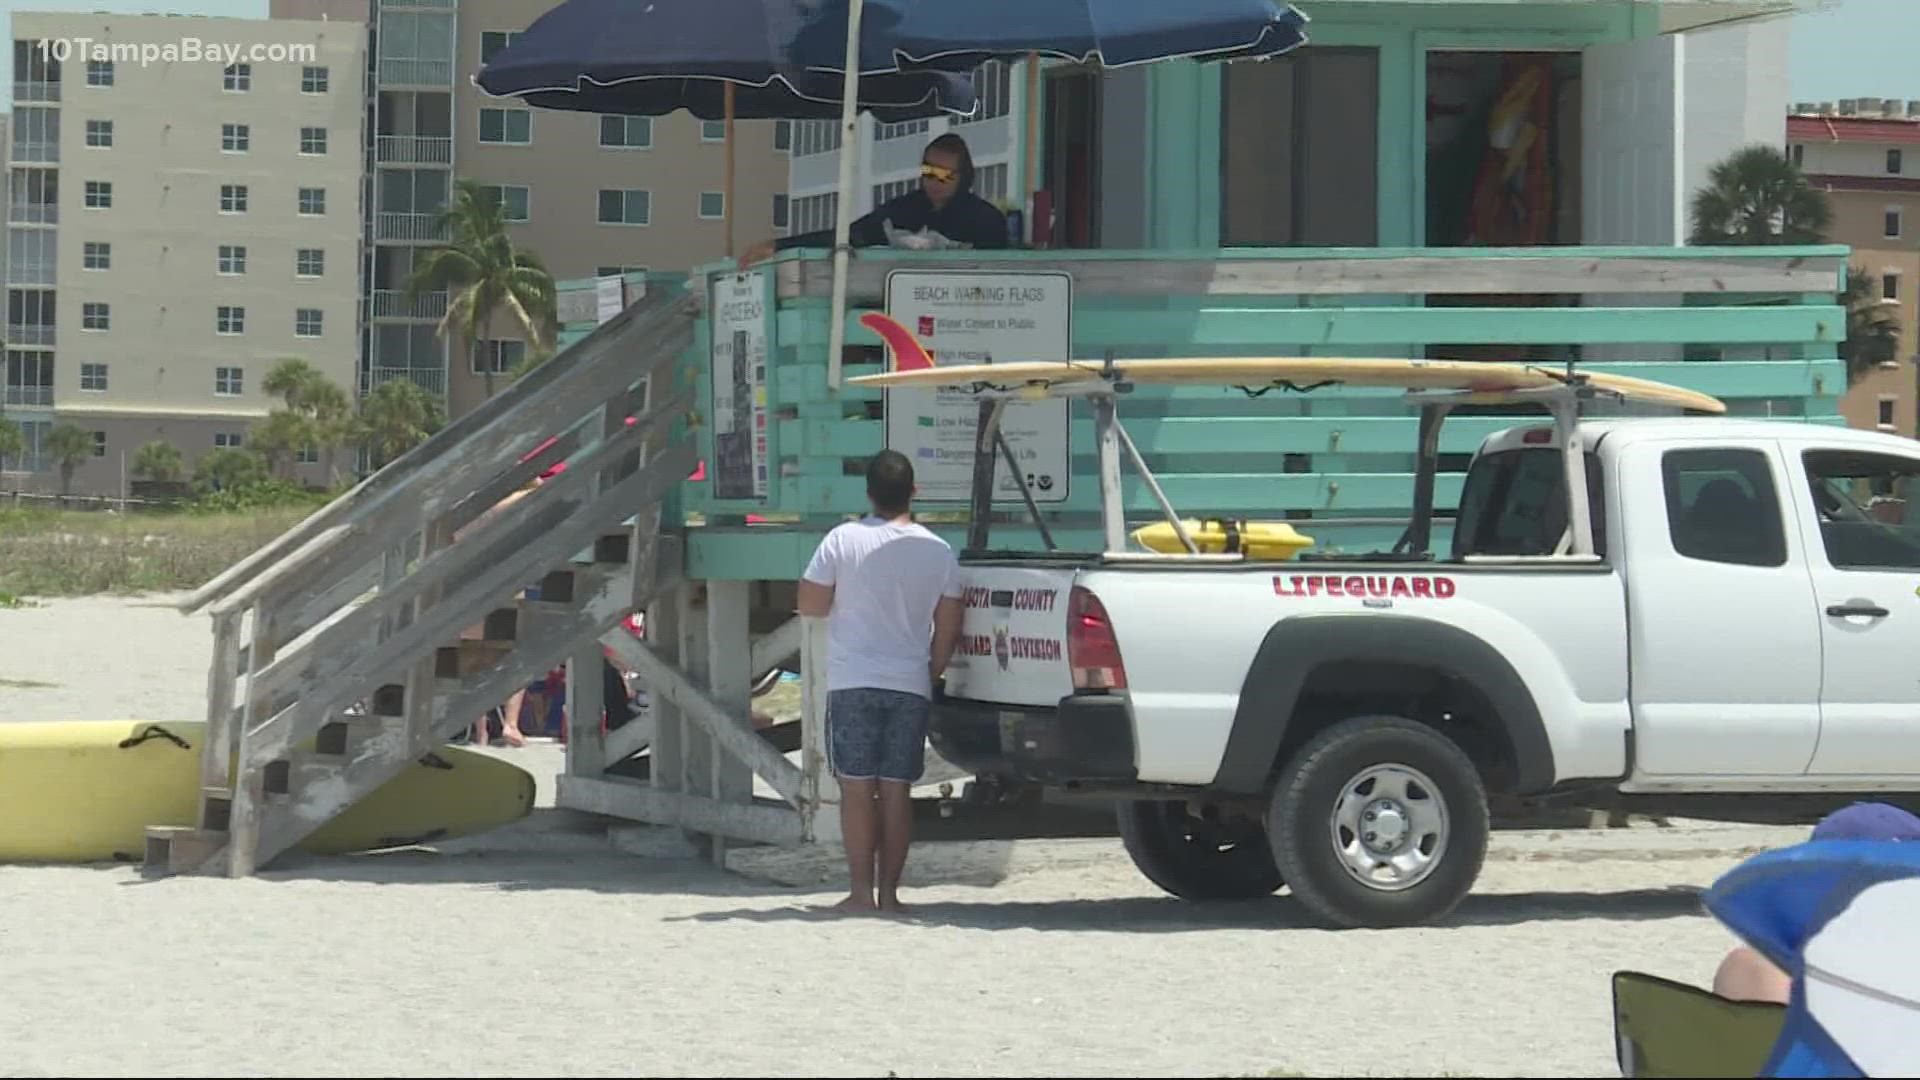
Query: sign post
(981,317)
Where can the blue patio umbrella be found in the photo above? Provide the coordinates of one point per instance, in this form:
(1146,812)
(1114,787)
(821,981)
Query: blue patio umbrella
(717,59)
(653,57)
(1838,917)
(960,35)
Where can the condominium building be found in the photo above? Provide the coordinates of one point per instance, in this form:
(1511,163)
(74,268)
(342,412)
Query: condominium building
(182,214)
(888,155)
(1865,154)
(589,194)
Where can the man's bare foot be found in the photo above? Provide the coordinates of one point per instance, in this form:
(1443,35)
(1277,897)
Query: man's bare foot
(893,906)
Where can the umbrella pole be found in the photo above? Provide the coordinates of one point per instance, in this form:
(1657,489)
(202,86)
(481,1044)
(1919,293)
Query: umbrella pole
(726,194)
(843,213)
(1032,161)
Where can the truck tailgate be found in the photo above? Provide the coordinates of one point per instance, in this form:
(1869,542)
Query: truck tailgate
(1013,637)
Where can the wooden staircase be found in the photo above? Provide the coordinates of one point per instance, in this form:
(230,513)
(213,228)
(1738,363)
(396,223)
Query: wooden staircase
(338,657)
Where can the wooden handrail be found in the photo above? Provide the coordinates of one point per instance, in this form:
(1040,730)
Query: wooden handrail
(554,396)
(301,557)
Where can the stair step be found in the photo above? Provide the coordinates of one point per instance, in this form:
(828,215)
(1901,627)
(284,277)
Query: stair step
(502,624)
(468,657)
(561,589)
(216,809)
(178,849)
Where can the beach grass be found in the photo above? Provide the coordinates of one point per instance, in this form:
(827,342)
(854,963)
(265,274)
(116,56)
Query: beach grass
(57,554)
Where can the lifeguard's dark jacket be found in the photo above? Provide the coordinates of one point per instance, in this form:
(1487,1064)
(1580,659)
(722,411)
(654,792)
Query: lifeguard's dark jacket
(967,218)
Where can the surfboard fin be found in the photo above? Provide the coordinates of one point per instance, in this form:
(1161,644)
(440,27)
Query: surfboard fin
(902,346)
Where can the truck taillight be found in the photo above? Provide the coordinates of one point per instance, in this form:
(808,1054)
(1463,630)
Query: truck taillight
(1092,651)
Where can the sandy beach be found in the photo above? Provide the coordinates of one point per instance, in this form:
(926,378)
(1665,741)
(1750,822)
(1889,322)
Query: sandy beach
(549,948)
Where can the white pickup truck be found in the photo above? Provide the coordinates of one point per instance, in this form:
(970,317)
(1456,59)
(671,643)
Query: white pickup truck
(1738,638)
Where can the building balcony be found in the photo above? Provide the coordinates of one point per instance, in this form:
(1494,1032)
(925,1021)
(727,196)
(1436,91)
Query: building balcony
(32,213)
(413,149)
(413,72)
(44,151)
(32,272)
(442,5)
(29,334)
(35,90)
(28,395)
(392,304)
(425,228)
(432,380)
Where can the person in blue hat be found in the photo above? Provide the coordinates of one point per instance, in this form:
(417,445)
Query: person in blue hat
(1745,975)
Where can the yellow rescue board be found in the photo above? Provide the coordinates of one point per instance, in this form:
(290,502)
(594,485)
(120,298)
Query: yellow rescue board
(1213,536)
(85,791)
(1483,378)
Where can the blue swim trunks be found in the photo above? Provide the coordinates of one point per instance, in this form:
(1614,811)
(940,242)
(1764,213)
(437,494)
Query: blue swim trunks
(876,734)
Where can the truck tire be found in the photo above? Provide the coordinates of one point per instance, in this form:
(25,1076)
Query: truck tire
(1195,859)
(1373,794)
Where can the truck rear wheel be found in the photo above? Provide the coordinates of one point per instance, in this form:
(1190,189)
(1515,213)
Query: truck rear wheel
(1196,858)
(1379,821)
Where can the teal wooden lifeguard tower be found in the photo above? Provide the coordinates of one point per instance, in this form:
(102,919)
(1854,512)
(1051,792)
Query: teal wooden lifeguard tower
(1334,203)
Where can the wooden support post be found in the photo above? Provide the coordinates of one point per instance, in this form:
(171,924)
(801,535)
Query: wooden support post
(663,637)
(696,746)
(730,683)
(586,702)
(436,535)
(249,785)
(820,805)
(222,740)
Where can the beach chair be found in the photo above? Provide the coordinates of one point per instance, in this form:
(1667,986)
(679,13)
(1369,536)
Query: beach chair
(1667,1028)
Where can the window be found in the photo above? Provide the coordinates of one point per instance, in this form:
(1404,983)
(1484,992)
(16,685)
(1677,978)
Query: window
(313,200)
(509,126)
(99,194)
(237,78)
(779,211)
(313,140)
(1893,223)
(815,137)
(1893,161)
(96,255)
(227,440)
(993,83)
(1886,411)
(306,322)
(99,133)
(1862,500)
(1798,154)
(94,315)
(713,131)
(93,378)
(233,198)
(309,262)
(235,138)
(617,271)
(492,41)
(231,320)
(313,80)
(1722,507)
(1515,503)
(233,258)
(1890,286)
(626,132)
(307,455)
(99,444)
(883,132)
(498,357)
(512,199)
(99,73)
(713,204)
(625,207)
(783,135)
(227,382)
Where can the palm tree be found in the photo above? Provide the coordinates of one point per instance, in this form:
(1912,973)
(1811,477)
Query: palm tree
(1873,331)
(483,271)
(159,461)
(318,412)
(69,446)
(13,443)
(396,417)
(1758,196)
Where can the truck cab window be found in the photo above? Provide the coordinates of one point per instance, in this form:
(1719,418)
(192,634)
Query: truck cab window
(1722,507)
(1864,503)
(1514,502)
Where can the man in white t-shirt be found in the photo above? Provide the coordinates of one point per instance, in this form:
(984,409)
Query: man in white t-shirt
(890,592)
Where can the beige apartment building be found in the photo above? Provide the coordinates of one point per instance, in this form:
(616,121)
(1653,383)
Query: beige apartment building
(183,213)
(1865,154)
(588,194)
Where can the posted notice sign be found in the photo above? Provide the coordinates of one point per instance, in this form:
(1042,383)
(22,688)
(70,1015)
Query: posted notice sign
(739,468)
(981,317)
